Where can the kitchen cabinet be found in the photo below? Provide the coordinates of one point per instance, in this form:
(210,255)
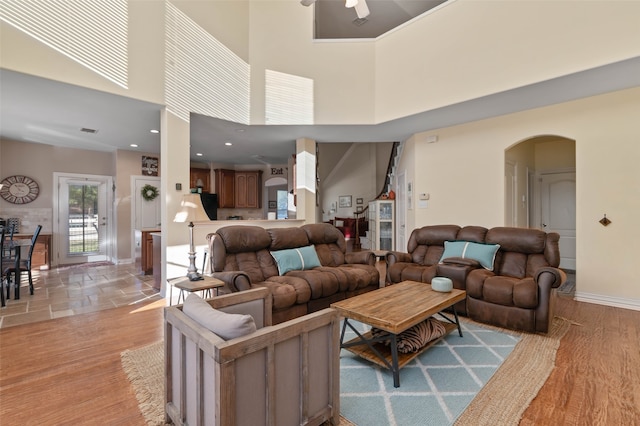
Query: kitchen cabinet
(204,175)
(225,188)
(144,250)
(248,189)
(239,188)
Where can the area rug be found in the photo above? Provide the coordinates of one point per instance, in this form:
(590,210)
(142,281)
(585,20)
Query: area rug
(435,388)
(487,377)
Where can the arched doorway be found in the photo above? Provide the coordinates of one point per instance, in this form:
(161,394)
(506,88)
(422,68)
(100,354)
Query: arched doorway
(540,189)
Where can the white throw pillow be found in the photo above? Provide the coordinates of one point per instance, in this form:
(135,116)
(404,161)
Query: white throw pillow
(227,326)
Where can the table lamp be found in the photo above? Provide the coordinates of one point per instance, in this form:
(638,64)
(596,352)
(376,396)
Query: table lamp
(192,211)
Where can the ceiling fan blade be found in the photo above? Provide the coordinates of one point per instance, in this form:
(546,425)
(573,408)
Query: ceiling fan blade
(362,10)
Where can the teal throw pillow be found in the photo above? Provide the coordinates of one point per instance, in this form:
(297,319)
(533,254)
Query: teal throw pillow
(297,259)
(485,254)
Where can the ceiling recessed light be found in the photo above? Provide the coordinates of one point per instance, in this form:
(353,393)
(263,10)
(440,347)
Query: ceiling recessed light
(154,131)
(133,145)
(228,143)
(199,154)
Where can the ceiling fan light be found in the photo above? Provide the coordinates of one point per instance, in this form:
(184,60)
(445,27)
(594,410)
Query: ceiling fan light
(362,10)
(351,3)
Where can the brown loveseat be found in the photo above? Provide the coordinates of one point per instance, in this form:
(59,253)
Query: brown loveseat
(513,291)
(242,257)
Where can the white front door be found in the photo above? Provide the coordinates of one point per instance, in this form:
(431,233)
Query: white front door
(82,218)
(558,202)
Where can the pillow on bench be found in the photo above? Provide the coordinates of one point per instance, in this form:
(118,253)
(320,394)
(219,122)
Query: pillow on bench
(227,326)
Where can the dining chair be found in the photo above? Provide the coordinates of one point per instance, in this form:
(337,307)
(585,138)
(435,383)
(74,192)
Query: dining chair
(25,264)
(4,262)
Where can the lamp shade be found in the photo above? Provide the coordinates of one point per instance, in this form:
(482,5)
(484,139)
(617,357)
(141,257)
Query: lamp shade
(192,210)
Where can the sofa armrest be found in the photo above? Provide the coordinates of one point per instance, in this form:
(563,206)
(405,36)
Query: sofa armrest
(556,277)
(457,272)
(364,257)
(397,256)
(461,261)
(234,280)
(208,379)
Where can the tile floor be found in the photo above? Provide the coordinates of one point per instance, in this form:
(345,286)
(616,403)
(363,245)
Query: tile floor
(75,290)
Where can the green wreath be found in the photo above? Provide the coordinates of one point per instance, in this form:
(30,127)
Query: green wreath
(149,193)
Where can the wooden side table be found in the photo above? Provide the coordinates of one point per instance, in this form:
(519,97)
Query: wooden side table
(184,284)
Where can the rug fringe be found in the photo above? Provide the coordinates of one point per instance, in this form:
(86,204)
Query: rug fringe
(503,401)
(152,409)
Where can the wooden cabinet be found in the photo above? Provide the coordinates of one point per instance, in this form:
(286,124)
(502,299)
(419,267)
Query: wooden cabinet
(225,188)
(41,257)
(204,175)
(239,188)
(156,253)
(144,251)
(248,189)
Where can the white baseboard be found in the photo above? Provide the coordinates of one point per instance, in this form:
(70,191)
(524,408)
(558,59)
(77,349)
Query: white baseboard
(599,299)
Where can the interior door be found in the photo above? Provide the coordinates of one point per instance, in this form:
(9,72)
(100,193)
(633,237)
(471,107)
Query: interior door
(146,214)
(558,202)
(82,222)
(510,194)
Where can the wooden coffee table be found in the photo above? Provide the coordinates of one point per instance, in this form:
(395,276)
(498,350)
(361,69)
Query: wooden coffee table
(395,309)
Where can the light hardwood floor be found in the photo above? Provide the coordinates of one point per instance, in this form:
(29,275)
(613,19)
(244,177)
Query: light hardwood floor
(67,370)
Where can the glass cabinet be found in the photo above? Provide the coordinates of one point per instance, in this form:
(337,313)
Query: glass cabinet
(381,225)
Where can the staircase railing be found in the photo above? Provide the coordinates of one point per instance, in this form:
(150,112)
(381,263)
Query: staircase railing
(387,181)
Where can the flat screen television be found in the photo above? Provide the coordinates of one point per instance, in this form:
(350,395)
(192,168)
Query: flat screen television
(210,204)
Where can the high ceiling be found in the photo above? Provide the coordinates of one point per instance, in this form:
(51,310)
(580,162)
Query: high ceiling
(33,109)
(333,20)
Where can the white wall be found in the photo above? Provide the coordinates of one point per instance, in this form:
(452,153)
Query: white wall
(463,172)
(475,48)
(355,173)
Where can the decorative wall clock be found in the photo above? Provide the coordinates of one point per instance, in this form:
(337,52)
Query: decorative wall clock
(19,189)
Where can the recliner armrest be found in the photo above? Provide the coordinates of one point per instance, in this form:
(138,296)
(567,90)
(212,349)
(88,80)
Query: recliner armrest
(397,256)
(558,276)
(461,261)
(234,280)
(363,257)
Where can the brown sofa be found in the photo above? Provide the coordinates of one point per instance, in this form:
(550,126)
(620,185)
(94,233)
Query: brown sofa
(515,294)
(241,257)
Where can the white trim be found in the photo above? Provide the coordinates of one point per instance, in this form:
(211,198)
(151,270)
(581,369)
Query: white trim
(599,299)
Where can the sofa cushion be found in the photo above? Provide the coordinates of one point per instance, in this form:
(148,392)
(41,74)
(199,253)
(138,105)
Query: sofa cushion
(227,326)
(485,254)
(296,259)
